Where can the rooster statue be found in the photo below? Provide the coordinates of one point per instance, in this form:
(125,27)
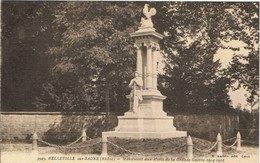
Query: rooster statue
(150,13)
(147,22)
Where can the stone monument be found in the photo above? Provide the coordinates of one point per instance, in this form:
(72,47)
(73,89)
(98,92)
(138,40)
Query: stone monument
(145,118)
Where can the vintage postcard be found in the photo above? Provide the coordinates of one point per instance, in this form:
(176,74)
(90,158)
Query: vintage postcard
(115,81)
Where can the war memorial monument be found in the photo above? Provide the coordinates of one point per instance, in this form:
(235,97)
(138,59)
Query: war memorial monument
(145,118)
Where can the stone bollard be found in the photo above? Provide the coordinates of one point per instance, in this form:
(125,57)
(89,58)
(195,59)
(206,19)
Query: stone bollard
(238,142)
(84,136)
(219,145)
(34,143)
(104,146)
(189,148)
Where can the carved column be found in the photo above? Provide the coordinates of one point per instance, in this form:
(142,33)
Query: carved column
(139,61)
(155,53)
(149,81)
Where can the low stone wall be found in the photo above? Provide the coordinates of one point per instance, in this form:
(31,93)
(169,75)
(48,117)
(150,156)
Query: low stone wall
(57,126)
(208,126)
(53,126)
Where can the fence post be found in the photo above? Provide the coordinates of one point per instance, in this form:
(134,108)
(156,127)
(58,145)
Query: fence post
(219,145)
(104,146)
(34,143)
(238,142)
(84,136)
(189,148)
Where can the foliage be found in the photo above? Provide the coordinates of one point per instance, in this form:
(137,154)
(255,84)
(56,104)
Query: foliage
(244,69)
(26,35)
(248,120)
(96,58)
(78,56)
(192,79)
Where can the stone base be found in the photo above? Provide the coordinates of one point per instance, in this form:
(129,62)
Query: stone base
(149,121)
(139,126)
(144,135)
(132,122)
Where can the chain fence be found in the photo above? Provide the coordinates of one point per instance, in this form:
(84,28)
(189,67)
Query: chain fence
(207,150)
(146,154)
(88,137)
(215,144)
(230,146)
(69,146)
(169,151)
(85,143)
(227,140)
(59,146)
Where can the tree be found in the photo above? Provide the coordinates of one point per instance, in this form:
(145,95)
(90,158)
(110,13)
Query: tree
(194,32)
(86,57)
(244,69)
(96,58)
(26,35)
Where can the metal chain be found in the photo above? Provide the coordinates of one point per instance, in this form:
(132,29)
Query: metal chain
(88,137)
(145,154)
(86,145)
(74,142)
(229,139)
(207,150)
(136,153)
(67,147)
(227,147)
(60,145)
(126,150)
(230,146)
(49,144)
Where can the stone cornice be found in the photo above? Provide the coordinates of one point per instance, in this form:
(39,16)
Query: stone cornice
(146,33)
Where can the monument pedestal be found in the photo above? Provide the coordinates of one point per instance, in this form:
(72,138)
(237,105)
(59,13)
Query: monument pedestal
(150,121)
(144,135)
